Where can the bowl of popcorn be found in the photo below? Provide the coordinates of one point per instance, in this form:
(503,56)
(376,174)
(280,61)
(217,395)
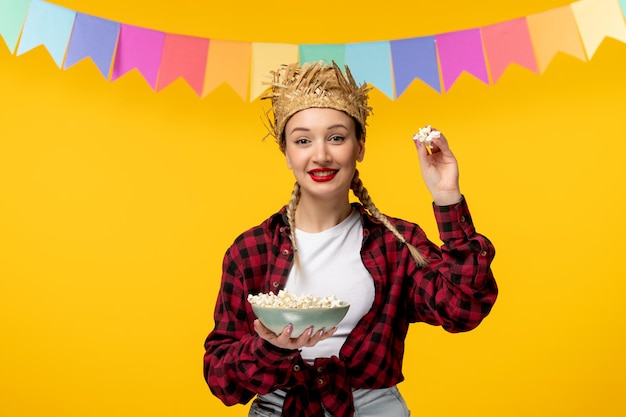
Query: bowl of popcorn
(275,311)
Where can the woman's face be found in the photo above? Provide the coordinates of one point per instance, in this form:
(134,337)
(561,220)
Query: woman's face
(322,149)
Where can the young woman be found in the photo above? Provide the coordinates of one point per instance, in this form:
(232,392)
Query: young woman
(386,268)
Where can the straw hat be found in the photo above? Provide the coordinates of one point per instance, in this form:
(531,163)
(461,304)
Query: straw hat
(295,88)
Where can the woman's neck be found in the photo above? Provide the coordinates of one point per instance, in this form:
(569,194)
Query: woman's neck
(317,216)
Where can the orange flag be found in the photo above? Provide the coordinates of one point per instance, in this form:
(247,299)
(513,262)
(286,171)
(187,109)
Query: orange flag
(228,61)
(555,31)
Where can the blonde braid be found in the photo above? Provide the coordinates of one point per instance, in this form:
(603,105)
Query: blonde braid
(291,218)
(361,193)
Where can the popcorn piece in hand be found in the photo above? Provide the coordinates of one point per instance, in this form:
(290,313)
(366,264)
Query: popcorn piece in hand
(426,136)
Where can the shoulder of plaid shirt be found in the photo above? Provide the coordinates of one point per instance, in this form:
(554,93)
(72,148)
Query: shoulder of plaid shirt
(456,291)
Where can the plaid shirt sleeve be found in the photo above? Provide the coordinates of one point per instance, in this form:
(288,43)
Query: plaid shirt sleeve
(457,290)
(237,363)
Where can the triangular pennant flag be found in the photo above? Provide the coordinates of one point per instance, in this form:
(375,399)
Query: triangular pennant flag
(554,31)
(391,66)
(506,43)
(186,57)
(141,49)
(415,58)
(95,38)
(12,16)
(371,62)
(323,52)
(268,57)
(49,25)
(461,51)
(228,61)
(598,19)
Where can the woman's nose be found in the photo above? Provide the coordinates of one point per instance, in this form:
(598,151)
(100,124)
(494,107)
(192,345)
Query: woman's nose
(321,152)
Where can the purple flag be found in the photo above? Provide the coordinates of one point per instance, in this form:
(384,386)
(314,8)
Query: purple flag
(461,51)
(93,37)
(415,58)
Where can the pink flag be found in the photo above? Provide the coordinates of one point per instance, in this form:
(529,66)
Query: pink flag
(138,48)
(506,43)
(461,51)
(186,57)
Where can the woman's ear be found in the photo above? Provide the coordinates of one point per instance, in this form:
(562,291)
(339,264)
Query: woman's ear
(283,148)
(361,146)
(287,159)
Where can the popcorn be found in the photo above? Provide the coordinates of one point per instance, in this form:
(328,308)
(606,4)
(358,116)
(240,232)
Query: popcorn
(426,135)
(286,299)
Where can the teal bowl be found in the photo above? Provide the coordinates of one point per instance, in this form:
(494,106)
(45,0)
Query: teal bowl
(301,319)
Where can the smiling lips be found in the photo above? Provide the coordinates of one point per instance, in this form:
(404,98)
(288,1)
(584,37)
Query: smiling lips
(322,175)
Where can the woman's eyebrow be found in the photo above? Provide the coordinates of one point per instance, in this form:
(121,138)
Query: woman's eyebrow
(300,129)
(306,129)
(337,125)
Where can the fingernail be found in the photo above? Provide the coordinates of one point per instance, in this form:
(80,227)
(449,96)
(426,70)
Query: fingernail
(289,328)
(309,332)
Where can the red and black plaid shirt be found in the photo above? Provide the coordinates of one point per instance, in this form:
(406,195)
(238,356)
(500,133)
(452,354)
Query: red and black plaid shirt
(456,291)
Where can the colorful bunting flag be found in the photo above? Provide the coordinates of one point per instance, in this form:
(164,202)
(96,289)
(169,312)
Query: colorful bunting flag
(461,51)
(389,65)
(506,43)
(12,16)
(415,58)
(95,38)
(597,19)
(554,31)
(228,62)
(140,49)
(49,25)
(186,57)
(267,57)
(328,53)
(371,62)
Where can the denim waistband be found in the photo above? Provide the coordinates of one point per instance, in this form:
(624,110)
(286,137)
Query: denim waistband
(384,402)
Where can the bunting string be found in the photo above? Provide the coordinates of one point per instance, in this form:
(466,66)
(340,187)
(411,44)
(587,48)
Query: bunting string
(389,65)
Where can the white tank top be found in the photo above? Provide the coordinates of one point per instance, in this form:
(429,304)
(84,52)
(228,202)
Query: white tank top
(330,263)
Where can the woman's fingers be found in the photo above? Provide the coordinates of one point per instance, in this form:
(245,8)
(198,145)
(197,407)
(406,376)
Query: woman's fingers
(318,336)
(286,340)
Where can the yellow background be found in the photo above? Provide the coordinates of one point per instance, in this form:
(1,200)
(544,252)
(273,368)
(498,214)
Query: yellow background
(117,204)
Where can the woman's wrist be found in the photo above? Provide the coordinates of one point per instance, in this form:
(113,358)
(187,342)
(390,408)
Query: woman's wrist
(447,198)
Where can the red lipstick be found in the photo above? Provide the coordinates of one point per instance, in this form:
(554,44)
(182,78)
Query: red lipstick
(322,174)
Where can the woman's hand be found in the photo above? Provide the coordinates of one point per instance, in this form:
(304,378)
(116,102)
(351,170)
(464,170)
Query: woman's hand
(284,339)
(440,171)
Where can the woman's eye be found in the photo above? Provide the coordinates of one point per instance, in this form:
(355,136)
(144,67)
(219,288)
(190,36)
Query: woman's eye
(301,141)
(336,138)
